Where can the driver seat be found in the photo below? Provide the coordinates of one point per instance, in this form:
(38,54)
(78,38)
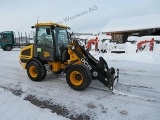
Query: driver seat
(65,56)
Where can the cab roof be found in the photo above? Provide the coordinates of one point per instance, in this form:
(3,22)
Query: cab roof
(51,24)
(6,32)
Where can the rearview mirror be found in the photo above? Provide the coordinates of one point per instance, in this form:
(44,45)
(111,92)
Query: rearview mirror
(32,27)
(72,33)
(69,34)
(48,31)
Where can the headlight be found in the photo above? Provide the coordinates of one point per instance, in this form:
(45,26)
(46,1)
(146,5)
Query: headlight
(95,74)
(73,47)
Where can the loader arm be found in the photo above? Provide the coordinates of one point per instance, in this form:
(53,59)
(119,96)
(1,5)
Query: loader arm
(99,68)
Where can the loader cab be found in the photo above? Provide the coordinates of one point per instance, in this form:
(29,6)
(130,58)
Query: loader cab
(50,41)
(7,40)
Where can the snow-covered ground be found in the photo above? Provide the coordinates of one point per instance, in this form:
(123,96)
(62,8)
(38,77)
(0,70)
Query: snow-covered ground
(136,96)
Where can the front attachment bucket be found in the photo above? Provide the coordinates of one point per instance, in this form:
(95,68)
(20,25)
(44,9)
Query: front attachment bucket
(108,76)
(114,78)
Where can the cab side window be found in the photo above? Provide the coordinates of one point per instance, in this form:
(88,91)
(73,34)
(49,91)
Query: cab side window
(4,36)
(43,38)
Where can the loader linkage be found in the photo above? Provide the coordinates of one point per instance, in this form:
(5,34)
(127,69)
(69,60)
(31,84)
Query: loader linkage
(104,74)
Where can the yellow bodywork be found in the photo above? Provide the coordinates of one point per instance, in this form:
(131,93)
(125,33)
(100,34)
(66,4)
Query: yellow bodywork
(56,66)
(51,24)
(24,57)
(33,71)
(73,56)
(73,79)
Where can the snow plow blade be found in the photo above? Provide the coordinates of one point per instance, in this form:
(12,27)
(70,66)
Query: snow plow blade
(108,76)
(114,79)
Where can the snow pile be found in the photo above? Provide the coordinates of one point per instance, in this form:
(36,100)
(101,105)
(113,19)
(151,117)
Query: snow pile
(132,38)
(156,48)
(84,37)
(92,37)
(142,57)
(146,46)
(149,38)
(105,45)
(104,36)
(145,56)
(120,46)
(130,48)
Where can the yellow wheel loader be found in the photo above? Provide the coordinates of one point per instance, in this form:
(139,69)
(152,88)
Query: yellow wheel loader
(54,50)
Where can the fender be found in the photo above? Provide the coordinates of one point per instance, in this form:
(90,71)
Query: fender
(37,60)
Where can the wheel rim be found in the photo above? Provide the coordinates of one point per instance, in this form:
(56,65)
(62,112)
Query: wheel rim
(76,78)
(8,48)
(33,71)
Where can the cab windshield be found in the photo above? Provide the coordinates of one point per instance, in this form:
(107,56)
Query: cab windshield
(61,36)
(61,39)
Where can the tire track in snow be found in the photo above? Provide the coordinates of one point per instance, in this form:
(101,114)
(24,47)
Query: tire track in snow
(48,104)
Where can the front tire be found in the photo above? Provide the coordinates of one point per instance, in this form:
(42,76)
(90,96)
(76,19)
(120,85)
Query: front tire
(36,71)
(78,77)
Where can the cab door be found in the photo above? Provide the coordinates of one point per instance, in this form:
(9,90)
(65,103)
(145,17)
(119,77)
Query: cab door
(44,45)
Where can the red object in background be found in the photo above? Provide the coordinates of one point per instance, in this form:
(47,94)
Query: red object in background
(151,43)
(94,42)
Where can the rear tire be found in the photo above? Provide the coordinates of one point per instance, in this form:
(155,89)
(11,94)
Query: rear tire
(36,71)
(78,77)
(8,48)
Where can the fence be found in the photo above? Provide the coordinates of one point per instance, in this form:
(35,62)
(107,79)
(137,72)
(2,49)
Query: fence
(22,39)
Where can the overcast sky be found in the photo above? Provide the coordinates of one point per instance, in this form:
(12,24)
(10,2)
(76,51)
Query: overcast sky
(80,15)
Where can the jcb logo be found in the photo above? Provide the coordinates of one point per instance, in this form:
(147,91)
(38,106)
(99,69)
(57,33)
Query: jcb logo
(86,63)
(46,54)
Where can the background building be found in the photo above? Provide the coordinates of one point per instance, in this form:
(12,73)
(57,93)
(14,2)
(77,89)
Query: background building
(121,29)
